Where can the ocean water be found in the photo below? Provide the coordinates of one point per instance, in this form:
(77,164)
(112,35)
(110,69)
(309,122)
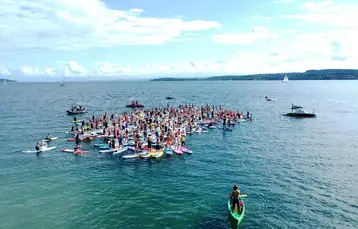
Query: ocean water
(298,173)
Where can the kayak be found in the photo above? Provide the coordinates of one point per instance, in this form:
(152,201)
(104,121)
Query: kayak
(177,150)
(51,139)
(121,150)
(156,154)
(235,216)
(185,150)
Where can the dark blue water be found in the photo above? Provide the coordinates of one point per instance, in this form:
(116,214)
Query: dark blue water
(298,173)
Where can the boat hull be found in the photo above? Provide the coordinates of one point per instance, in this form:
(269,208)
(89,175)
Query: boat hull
(76,112)
(235,217)
(301,115)
(135,106)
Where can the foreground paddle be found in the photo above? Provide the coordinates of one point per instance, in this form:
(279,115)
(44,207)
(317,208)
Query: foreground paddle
(243,195)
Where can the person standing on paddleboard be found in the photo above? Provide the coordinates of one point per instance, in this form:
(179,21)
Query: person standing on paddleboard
(235,197)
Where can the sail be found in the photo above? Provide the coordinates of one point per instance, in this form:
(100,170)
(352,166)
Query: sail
(64,77)
(5,82)
(285,79)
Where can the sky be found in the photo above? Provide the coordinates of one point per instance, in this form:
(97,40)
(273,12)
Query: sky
(141,39)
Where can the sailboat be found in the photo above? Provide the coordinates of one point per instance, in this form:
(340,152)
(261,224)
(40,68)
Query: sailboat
(5,82)
(62,84)
(285,79)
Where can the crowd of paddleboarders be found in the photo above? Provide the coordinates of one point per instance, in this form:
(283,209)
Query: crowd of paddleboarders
(155,129)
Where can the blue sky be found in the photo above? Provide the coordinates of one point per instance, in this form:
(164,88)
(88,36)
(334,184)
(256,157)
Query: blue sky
(39,39)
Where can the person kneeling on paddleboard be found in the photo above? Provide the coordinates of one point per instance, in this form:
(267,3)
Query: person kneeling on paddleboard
(235,197)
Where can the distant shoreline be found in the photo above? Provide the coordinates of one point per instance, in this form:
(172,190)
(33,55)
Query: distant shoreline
(7,80)
(325,74)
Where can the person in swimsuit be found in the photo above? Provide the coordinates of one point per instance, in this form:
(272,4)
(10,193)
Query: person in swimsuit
(235,197)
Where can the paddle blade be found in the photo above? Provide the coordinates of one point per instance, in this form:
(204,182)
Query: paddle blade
(243,195)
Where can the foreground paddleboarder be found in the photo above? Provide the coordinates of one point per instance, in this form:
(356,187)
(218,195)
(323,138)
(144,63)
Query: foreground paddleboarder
(235,198)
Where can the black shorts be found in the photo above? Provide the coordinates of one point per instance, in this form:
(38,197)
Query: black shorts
(235,201)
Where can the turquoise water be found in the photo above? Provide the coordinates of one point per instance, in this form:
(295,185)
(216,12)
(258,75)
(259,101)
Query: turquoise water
(298,173)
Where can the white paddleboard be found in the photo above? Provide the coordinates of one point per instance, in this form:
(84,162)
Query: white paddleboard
(120,150)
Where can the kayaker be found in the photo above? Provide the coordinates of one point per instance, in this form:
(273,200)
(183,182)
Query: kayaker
(48,137)
(235,198)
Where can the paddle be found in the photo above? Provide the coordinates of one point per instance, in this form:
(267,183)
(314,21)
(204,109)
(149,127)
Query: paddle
(243,195)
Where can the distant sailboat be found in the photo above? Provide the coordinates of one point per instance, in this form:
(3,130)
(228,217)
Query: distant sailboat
(5,82)
(62,84)
(285,79)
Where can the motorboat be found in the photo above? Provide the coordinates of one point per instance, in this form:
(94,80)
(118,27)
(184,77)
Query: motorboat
(297,111)
(77,110)
(134,104)
(270,98)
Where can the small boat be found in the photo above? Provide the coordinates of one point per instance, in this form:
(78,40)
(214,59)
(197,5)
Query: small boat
(285,79)
(234,215)
(270,98)
(297,111)
(169,98)
(134,104)
(76,112)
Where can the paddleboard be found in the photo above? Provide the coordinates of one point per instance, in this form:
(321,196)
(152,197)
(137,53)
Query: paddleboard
(185,150)
(120,150)
(108,151)
(29,151)
(50,139)
(47,149)
(130,156)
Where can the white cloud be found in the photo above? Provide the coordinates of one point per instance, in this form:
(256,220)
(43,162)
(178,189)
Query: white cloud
(4,71)
(339,15)
(75,68)
(26,70)
(257,33)
(80,24)
(283,1)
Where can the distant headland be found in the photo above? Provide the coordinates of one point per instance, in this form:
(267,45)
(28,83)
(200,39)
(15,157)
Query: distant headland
(324,74)
(9,81)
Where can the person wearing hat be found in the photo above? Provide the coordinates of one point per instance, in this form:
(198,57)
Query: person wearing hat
(235,197)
